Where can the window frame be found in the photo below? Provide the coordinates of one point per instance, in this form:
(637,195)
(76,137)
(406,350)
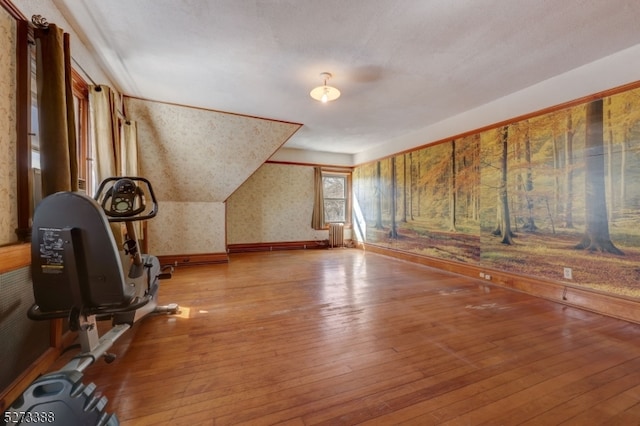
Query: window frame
(346,175)
(80,90)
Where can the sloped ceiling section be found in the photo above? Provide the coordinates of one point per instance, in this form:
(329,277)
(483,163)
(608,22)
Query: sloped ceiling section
(198,155)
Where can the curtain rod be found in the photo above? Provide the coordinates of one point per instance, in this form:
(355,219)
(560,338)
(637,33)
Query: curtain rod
(41,22)
(84,72)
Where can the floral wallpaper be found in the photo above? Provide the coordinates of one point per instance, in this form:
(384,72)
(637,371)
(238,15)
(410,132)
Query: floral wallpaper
(8,206)
(192,154)
(187,228)
(196,159)
(273,205)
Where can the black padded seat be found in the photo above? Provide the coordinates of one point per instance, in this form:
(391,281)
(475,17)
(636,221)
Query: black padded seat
(74,257)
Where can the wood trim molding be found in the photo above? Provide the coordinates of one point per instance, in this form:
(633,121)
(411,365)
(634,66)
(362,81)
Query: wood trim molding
(273,246)
(14,257)
(571,295)
(325,167)
(12,10)
(193,259)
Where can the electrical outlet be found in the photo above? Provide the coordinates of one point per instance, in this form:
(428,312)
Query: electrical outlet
(487,277)
(568,273)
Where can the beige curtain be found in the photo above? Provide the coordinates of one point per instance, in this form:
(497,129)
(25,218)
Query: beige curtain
(129,167)
(105,135)
(115,141)
(317,217)
(58,159)
(129,148)
(115,145)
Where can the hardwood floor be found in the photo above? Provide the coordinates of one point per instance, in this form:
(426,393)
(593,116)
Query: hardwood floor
(342,337)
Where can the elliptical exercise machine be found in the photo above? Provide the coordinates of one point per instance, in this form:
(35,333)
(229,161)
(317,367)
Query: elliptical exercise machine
(77,273)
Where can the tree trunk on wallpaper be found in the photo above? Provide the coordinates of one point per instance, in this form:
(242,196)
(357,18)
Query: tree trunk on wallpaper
(517,197)
(623,165)
(394,189)
(452,188)
(503,227)
(609,180)
(378,196)
(404,188)
(568,176)
(596,236)
(530,224)
(556,178)
(476,187)
(411,181)
(418,187)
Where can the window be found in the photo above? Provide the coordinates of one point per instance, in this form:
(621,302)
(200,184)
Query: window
(34,131)
(336,197)
(83,147)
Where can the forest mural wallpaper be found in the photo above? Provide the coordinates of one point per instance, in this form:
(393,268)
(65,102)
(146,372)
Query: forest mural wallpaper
(532,198)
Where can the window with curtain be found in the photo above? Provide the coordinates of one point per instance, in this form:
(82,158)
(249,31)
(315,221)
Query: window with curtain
(83,148)
(336,192)
(29,151)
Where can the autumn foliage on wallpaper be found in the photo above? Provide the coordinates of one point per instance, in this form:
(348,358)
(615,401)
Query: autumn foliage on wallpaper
(561,190)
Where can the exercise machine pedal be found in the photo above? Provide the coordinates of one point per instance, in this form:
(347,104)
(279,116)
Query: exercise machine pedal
(167,272)
(171,309)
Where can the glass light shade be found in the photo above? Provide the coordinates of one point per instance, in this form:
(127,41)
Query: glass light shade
(325,93)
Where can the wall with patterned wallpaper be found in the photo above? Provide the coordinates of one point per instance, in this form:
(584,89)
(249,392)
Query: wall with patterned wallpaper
(192,154)
(273,205)
(8,205)
(187,228)
(196,159)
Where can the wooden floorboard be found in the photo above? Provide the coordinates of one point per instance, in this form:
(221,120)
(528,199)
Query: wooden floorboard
(342,336)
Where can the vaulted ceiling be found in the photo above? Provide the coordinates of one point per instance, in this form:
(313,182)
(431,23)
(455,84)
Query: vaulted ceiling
(194,155)
(400,65)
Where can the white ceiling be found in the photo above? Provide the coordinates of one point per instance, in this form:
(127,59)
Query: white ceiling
(401,65)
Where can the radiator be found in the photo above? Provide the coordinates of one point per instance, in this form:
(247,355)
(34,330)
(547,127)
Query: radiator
(336,234)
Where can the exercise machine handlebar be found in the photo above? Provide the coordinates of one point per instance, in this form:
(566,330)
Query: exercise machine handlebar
(124,199)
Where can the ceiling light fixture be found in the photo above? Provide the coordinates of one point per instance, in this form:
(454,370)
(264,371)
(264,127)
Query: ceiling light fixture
(325,93)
